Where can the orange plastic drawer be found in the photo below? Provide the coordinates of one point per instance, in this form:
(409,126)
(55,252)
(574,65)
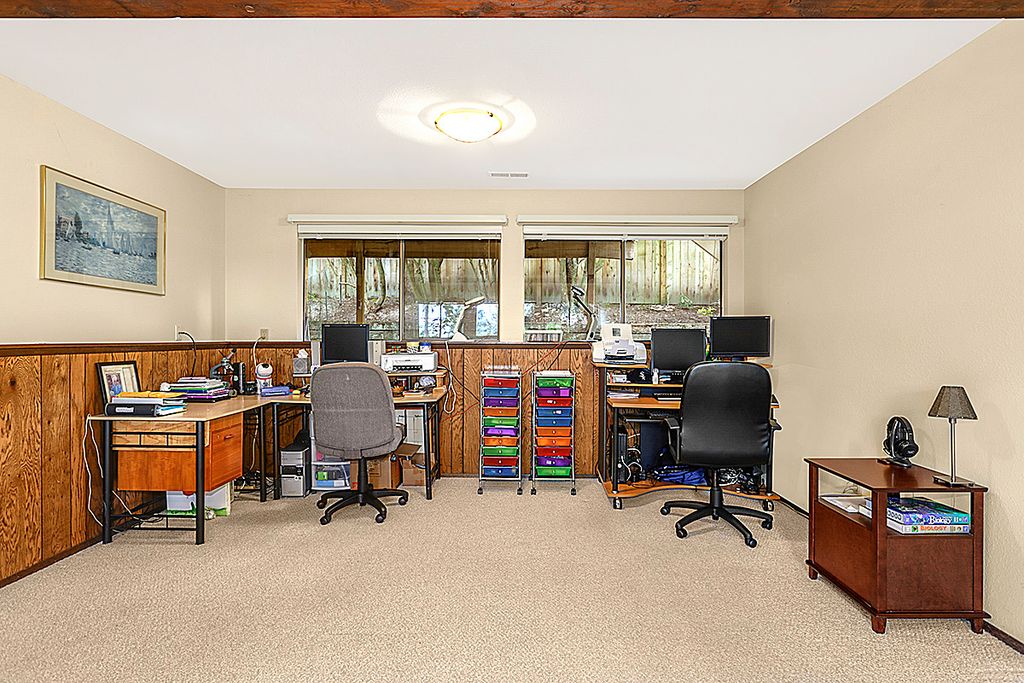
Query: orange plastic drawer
(554,431)
(549,441)
(501,412)
(501,441)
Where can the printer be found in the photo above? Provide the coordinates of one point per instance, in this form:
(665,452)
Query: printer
(409,362)
(617,346)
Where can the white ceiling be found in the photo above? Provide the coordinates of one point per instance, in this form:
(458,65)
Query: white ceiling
(597,103)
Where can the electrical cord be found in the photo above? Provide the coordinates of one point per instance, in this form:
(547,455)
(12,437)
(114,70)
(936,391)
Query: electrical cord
(89,431)
(195,352)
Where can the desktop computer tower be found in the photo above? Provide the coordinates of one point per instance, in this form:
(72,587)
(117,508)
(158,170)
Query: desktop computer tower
(296,473)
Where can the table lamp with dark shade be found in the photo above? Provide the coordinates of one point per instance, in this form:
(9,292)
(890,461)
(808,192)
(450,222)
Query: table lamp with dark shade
(952,403)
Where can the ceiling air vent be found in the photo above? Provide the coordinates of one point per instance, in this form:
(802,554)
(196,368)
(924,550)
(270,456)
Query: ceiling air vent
(509,174)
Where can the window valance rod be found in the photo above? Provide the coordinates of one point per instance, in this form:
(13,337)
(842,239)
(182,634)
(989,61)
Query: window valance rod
(627,227)
(399,226)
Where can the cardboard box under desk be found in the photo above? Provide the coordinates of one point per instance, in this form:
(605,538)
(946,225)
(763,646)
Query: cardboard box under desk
(384,472)
(408,453)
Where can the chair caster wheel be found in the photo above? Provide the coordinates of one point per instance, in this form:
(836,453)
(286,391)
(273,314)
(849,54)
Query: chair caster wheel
(768,505)
(403,501)
(766,524)
(572,493)
(321,504)
(480,491)
(533,492)
(681,533)
(714,517)
(519,492)
(325,520)
(751,542)
(664,510)
(379,518)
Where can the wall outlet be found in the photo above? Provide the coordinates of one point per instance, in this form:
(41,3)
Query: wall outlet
(177,332)
(264,333)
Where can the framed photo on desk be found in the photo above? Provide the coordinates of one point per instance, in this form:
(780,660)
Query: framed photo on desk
(117,377)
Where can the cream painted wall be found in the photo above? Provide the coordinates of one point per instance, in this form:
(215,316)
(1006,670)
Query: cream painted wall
(890,256)
(264,265)
(37,131)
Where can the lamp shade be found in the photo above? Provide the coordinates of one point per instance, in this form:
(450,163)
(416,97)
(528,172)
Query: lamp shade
(952,402)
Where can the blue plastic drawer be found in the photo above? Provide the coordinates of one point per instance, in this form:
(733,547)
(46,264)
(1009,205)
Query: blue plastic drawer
(554,412)
(500,472)
(554,422)
(499,392)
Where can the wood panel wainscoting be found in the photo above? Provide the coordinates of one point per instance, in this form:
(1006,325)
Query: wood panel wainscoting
(47,390)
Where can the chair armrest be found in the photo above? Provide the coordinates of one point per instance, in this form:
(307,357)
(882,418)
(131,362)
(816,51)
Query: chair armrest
(776,427)
(672,423)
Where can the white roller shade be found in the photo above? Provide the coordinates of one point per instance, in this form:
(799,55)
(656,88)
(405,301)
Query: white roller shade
(392,227)
(626,227)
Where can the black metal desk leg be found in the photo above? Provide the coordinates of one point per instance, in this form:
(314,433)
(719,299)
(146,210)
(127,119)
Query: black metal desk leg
(427,448)
(602,450)
(108,483)
(200,483)
(616,501)
(436,410)
(276,446)
(261,436)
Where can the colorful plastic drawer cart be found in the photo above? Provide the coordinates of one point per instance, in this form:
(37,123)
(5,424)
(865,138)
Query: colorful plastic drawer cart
(554,449)
(500,428)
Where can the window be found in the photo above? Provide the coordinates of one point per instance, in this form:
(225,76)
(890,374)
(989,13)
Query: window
(646,283)
(404,289)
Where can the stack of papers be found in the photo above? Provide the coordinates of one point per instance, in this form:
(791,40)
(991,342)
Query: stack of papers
(146,403)
(198,388)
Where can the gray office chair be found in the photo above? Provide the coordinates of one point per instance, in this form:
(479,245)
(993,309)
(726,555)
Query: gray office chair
(354,419)
(724,422)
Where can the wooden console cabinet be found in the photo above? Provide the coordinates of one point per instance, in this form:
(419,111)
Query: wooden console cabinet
(893,575)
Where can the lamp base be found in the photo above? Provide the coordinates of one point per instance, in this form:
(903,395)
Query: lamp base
(953,482)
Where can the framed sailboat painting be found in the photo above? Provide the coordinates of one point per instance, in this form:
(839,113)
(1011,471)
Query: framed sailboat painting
(95,236)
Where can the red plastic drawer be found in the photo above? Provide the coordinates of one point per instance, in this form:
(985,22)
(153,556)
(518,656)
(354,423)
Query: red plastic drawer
(555,452)
(560,441)
(501,382)
(501,441)
(554,402)
(554,431)
(495,461)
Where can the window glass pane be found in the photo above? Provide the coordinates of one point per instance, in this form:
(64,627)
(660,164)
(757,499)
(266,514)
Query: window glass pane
(330,292)
(554,267)
(672,283)
(440,277)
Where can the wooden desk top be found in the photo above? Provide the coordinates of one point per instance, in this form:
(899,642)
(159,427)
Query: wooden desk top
(208,412)
(621,366)
(649,403)
(871,474)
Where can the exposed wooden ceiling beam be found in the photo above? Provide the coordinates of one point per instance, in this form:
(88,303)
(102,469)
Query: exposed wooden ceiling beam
(795,9)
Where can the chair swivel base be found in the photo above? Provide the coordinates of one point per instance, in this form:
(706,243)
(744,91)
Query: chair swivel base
(716,509)
(369,497)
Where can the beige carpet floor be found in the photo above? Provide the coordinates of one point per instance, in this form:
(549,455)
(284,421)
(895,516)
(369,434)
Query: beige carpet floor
(466,588)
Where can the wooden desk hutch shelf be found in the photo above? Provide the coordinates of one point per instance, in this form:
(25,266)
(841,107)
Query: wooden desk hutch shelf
(894,575)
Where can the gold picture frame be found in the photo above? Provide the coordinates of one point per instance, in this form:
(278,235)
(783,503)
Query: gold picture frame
(92,235)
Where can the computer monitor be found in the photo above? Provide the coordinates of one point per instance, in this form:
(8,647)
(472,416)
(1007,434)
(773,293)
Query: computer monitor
(739,336)
(345,343)
(674,350)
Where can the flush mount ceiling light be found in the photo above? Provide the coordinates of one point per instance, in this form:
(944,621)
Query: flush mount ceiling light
(468,124)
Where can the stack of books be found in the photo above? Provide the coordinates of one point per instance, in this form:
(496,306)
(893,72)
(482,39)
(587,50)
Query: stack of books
(146,404)
(910,515)
(199,388)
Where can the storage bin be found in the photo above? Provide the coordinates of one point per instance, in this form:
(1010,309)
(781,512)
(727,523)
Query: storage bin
(554,431)
(492,461)
(501,431)
(554,422)
(501,450)
(555,452)
(500,422)
(503,402)
(554,392)
(554,402)
(554,412)
(501,441)
(545,461)
(553,471)
(501,412)
(497,392)
(554,441)
(554,381)
(505,382)
(504,472)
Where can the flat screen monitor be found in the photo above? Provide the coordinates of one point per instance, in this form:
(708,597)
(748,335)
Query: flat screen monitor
(345,343)
(673,351)
(738,336)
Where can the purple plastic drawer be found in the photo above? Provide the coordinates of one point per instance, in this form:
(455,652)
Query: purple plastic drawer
(500,431)
(554,392)
(543,461)
(501,402)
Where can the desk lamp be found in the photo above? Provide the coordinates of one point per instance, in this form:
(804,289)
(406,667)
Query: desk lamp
(952,403)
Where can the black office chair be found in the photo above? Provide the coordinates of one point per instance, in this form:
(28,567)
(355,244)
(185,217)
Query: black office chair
(354,419)
(724,422)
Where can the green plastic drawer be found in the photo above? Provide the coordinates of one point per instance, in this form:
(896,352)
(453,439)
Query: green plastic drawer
(554,381)
(554,471)
(501,450)
(501,421)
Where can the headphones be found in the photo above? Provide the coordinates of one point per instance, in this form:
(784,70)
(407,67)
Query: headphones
(899,442)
